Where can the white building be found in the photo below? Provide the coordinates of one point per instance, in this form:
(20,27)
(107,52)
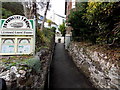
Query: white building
(58,37)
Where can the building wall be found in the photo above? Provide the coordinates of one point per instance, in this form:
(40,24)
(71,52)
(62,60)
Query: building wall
(67,40)
(69,7)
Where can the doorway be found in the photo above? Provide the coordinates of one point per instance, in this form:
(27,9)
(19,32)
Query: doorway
(59,40)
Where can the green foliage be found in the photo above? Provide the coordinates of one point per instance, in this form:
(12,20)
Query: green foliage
(49,22)
(8,66)
(15,61)
(34,63)
(11,8)
(53,29)
(62,28)
(77,23)
(43,38)
(15,8)
(95,21)
(6,13)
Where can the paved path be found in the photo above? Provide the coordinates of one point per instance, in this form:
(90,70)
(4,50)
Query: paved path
(64,73)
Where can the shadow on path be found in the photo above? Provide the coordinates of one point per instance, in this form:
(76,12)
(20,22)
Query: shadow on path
(64,73)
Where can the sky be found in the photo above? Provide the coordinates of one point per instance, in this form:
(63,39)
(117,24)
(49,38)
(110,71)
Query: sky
(57,7)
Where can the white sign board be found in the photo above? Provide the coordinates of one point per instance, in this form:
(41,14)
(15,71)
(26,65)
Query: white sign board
(24,46)
(7,46)
(17,25)
(17,21)
(16,32)
(17,36)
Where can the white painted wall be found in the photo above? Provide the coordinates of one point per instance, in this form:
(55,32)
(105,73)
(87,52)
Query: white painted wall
(73,3)
(57,38)
(67,40)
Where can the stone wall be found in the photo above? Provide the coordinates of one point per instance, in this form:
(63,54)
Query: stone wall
(23,76)
(102,71)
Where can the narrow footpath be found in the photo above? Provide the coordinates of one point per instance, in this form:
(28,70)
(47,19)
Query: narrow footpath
(64,73)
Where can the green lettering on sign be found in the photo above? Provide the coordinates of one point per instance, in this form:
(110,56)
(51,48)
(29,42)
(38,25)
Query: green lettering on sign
(21,46)
(11,46)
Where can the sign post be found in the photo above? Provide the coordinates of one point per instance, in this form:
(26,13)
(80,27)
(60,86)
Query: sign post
(17,36)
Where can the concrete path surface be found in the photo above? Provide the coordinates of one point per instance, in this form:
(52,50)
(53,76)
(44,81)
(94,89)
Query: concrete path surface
(64,73)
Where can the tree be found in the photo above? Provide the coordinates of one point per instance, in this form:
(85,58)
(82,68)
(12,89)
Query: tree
(96,21)
(31,7)
(80,29)
(101,17)
(47,7)
(15,8)
(49,22)
(62,28)
(28,8)
(6,13)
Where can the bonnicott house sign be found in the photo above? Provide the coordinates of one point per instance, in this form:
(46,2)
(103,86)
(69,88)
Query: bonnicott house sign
(17,36)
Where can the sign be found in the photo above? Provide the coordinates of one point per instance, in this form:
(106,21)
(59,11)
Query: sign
(16,32)
(17,21)
(17,35)
(24,46)
(17,25)
(8,46)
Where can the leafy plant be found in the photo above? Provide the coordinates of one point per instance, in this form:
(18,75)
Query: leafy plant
(15,8)
(43,38)
(95,22)
(62,28)
(34,63)
(6,13)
